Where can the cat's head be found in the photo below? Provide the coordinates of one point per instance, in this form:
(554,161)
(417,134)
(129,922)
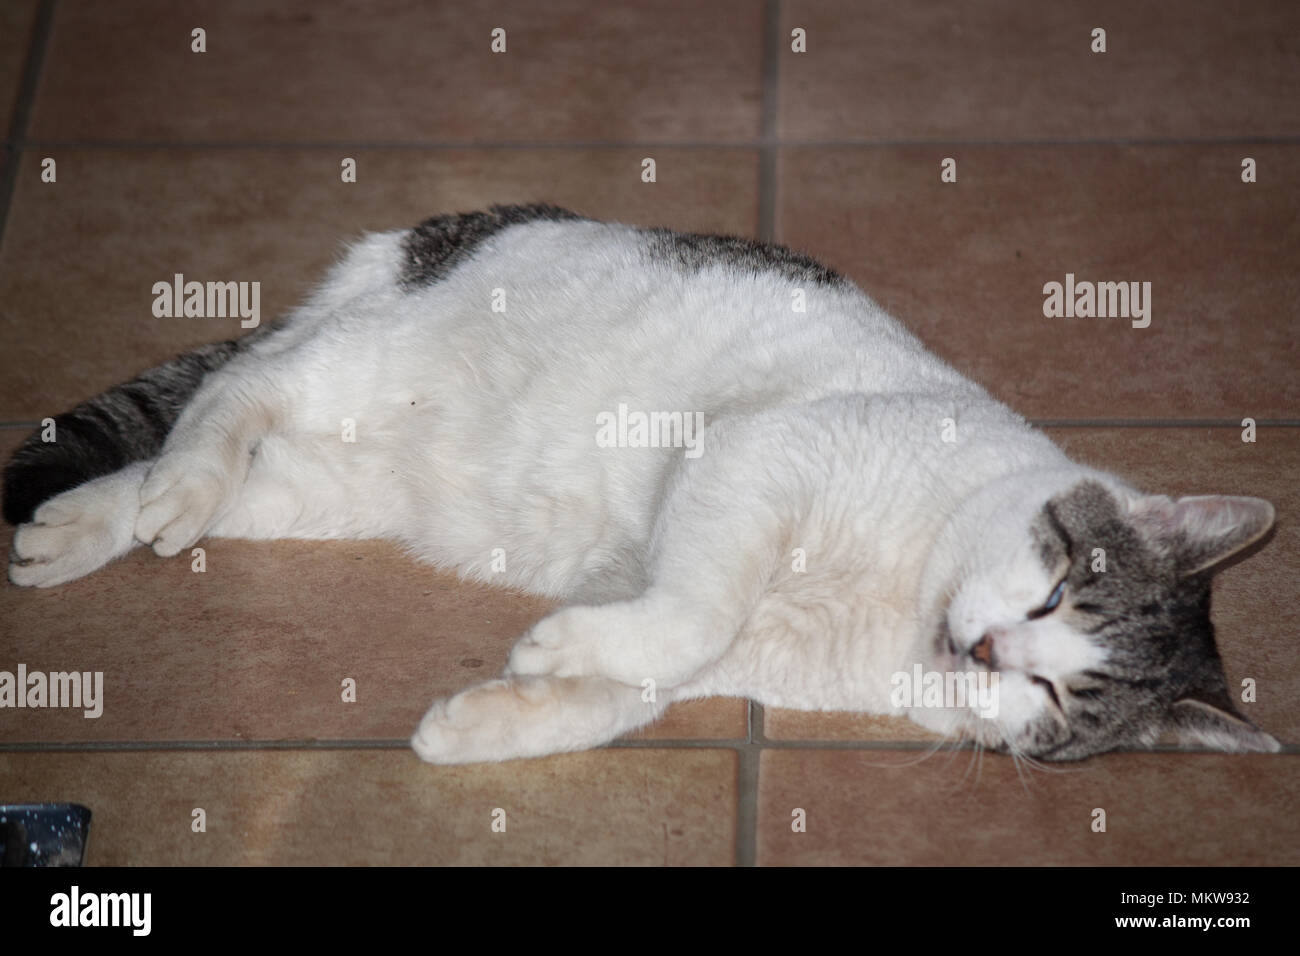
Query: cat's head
(1096,619)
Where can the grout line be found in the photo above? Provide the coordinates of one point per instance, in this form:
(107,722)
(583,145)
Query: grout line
(105,746)
(1159,422)
(17,142)
(374,743)
(36,47)
(750,770)
(1033,143)
(767,154)
(749,757)
(748,766)
(1035,422)
(743,747)
(768,743)
(917,745)
(413,145)
(758,725)
(678,743)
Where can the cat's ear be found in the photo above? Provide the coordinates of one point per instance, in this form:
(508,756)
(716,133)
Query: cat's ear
(1218,725)
(1202,530)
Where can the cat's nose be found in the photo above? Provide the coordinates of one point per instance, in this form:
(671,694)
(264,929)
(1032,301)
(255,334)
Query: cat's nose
(983,649)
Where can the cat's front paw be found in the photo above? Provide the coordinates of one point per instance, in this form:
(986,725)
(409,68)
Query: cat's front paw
(528,717)
(480,724)
(178,501)
(436,740)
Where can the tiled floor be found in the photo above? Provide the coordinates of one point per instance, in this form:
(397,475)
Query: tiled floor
(224,686)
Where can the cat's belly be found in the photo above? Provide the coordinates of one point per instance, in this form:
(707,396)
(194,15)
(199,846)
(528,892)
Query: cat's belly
(525,507)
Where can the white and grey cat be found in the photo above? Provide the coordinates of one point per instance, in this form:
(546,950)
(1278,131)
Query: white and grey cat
(851,507)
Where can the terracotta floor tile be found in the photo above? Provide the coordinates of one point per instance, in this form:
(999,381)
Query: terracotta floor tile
(16,20)
(403,71)
(964,265)
(780,724)
(257,647)
(989,70)
(877,808)
(717,718)
(80,257)
(356,807)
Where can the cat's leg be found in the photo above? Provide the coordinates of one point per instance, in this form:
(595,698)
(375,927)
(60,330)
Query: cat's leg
(716,545)
(293,489)
(168,502)
(80,530)
(530,717)
(205,459)
(309,487)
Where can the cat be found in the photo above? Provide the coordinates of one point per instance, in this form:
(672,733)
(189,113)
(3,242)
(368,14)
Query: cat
(522,385)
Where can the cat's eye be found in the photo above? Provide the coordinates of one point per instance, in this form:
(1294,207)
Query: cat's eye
(1050,604)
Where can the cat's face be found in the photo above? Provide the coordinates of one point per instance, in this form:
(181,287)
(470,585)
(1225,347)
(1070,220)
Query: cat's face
(1096,619)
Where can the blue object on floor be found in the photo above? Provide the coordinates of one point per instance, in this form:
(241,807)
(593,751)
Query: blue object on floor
(43,834)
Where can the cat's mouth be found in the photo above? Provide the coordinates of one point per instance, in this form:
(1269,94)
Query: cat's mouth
(1044,737)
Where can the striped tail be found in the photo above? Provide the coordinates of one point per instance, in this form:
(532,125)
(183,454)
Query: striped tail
(128,423)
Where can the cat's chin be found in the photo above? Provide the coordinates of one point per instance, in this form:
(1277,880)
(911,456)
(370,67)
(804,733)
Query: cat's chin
(1039,737)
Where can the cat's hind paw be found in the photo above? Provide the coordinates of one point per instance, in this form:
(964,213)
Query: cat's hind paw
(177,504)
(74,533)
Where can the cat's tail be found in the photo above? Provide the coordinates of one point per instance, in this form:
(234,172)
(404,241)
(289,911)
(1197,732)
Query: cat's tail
(126,424)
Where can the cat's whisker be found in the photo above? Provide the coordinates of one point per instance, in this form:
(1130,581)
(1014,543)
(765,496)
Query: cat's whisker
(971,764)
(1015,762)
(913,761)
(1042,767)
(954,742)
